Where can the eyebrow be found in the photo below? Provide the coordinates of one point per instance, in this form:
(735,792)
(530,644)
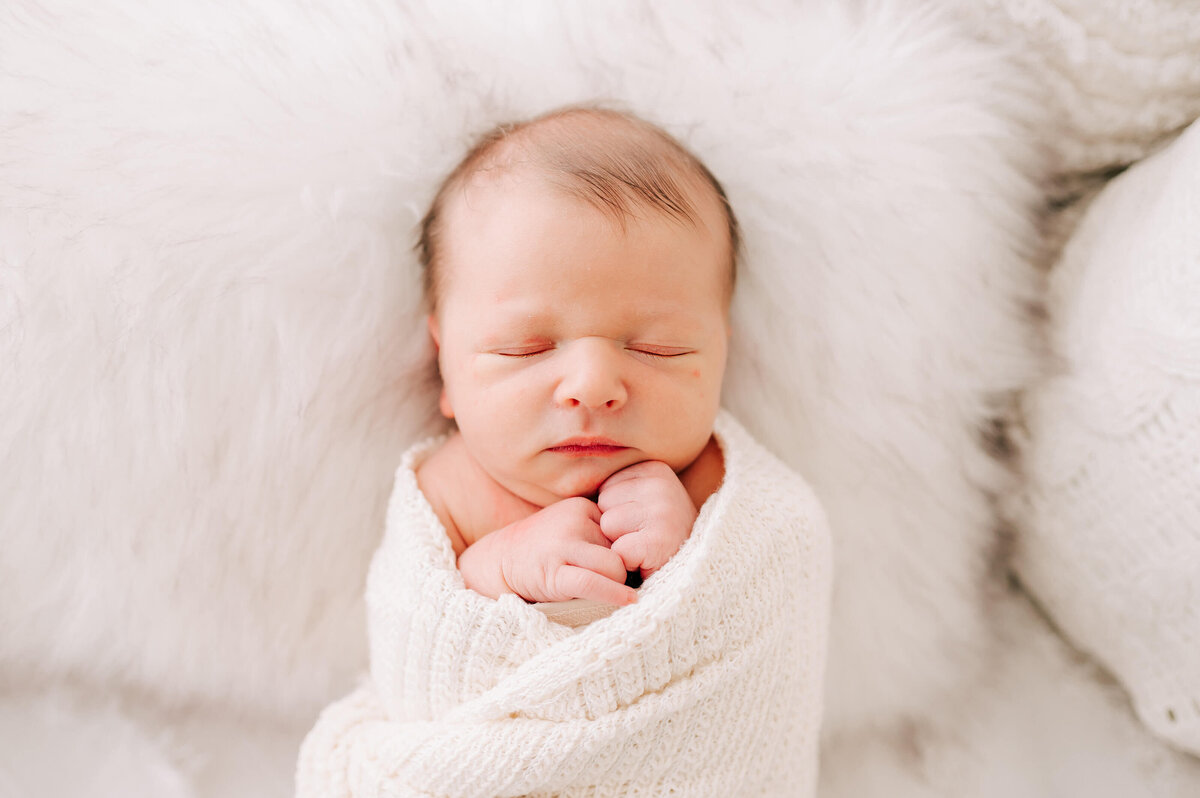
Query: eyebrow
(541,323)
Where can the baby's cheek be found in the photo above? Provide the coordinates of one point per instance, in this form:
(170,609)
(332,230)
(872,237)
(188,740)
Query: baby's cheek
(490,396)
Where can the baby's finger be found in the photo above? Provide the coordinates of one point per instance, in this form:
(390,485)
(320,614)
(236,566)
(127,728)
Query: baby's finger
(584,507)
(642,552)
(633,472)
(617,493)
(619,521)
(574,582)
(600,559)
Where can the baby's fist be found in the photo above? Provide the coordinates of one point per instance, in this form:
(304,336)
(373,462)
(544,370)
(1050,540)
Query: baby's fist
(646,513)
(559,553)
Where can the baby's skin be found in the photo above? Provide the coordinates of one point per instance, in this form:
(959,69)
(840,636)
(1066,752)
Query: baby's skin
(581,352)
(573,548)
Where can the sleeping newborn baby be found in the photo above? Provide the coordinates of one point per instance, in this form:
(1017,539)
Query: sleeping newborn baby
(580,269)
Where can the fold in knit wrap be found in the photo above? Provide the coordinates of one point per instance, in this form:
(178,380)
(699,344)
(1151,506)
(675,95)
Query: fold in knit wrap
(709,685)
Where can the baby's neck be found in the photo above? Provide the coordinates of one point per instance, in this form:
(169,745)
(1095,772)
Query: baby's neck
(703,477)
(468,502)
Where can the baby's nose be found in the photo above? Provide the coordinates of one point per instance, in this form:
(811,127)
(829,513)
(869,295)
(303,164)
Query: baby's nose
(592,376)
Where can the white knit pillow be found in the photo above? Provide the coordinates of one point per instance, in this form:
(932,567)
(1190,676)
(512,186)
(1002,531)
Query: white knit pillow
(1111,544)
(1122,76)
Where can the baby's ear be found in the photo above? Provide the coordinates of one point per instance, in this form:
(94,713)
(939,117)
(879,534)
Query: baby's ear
(444,398)
(444,403)
(432,323)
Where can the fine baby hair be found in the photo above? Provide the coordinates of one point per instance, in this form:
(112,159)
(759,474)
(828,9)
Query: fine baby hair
(611,159)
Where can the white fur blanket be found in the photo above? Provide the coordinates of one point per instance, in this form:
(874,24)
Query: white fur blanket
(211,353)
(709,685)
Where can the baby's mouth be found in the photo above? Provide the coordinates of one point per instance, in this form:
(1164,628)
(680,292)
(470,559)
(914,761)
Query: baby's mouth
(587,447)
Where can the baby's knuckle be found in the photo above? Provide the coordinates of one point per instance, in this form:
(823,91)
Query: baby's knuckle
(556,580)
(578,506)
(631,545)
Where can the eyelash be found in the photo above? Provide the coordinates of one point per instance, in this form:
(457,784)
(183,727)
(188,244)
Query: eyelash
(650,352)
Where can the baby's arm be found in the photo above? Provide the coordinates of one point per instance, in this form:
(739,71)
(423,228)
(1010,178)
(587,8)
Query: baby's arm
(556,554)
(647,514)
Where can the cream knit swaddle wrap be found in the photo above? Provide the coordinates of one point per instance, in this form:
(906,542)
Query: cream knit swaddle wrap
(710,685)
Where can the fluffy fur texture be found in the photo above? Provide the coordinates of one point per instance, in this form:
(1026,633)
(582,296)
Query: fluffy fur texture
(878,330)
(1122,76)
(54,745)
(69,740)
(215,352)
(212,348)
(1046,723)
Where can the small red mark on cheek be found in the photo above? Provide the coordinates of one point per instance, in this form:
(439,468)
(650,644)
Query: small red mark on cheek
(695,372)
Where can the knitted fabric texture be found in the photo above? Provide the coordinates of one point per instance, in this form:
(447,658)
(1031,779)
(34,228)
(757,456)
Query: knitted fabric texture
(710,684)
(1123,76)
(1111,539)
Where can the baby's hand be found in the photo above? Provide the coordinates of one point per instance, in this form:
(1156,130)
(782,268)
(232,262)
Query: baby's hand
(556,554)
(646,513)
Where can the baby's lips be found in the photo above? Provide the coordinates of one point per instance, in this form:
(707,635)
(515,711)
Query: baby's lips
(584,441)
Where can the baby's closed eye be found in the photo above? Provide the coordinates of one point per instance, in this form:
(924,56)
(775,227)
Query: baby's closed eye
(523,351)
(652,350)
(655,350)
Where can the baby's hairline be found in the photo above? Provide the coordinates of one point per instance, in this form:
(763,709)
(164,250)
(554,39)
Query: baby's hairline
(620,221)
(649,170)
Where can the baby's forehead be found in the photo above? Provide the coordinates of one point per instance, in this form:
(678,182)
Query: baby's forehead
(687,201)
(606,156)
(527,254)
(491,197)
(620,165)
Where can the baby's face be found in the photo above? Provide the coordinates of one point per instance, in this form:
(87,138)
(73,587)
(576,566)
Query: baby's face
(570,348)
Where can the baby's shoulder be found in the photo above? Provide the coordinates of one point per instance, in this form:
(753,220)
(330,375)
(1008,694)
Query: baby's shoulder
(439,476)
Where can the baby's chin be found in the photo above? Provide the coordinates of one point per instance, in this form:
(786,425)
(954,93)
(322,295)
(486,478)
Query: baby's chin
(584,478)
(586,484)
(588,488)
(587,481)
